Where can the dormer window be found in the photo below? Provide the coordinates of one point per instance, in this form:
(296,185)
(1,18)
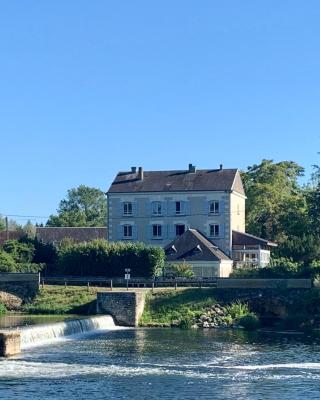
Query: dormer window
(156,208)
(127,208)
(214,207)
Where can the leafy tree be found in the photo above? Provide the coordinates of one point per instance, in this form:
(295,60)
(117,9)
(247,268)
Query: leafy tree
(179,270)
(7,263)
(276,205)
(83,206)
(20,252)
(2,224)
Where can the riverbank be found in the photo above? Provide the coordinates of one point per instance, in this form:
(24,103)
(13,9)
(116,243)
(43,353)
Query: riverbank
(194,308)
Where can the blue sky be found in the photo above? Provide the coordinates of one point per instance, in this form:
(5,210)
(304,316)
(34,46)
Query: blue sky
(90,88)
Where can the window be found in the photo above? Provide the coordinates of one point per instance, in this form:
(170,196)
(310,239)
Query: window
(214,230)
(178,207)
(156,208)
(127,208)
(157,231)
(127,231)
(180,229)
(214,207)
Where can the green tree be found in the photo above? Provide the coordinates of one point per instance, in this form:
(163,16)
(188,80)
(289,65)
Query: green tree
(20,252)
(276,205)
(7,263)
(83,206)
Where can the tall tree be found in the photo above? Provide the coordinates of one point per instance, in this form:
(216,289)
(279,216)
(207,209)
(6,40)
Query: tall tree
(83,206)
(276,206)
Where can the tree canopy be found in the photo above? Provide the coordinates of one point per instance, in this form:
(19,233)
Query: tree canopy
(83,206)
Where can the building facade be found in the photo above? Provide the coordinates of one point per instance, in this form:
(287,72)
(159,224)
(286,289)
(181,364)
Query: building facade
(154,207)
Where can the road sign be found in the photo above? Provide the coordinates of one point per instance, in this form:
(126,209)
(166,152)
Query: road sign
(127,276)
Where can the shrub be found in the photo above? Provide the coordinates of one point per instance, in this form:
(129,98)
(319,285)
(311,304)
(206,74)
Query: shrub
(185,323)
(237,310)
(249,321)
(20,252)
(179,270)
(101,258)
(7,263)
(3,309)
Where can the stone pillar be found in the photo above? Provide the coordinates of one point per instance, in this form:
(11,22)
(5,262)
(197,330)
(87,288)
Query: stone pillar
(9,343)
(125,307)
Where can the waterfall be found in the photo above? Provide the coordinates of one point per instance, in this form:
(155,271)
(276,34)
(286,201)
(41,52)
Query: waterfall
(40,334)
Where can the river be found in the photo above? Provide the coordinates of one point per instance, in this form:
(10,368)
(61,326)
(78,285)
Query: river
(167,364)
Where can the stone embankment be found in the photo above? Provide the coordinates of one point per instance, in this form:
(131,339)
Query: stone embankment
(215,316)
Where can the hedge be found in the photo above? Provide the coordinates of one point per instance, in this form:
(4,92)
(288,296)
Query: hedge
(101,258)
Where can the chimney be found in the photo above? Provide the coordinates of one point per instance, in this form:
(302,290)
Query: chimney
(221,167)
(133,170)
(192,168)
(140,173)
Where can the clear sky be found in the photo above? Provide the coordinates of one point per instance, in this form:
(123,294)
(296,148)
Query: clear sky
(88,88)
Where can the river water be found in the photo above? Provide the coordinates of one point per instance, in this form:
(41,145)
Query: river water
(167,364)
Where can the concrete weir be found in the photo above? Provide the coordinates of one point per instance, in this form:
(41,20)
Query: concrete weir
(125,307)
(10,343)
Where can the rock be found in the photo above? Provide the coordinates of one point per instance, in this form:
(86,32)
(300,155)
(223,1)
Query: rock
(195,326)
(206,324)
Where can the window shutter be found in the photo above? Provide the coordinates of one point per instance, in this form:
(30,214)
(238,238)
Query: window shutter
(206,207)
(135,208)
(171,231)
(221,206)
(221,230)
(149,232)
(164,207)
(120,232)
(171,207)
(149,208)
(120,209)
(164,231)
(187,207)
(134,232)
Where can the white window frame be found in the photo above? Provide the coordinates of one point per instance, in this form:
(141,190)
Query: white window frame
(156,208)
(127,208)
(158,228)
(126,230)
(215,204)
(212,230)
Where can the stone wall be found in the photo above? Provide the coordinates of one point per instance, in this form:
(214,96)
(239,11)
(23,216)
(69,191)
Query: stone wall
(17,288)
(125,307)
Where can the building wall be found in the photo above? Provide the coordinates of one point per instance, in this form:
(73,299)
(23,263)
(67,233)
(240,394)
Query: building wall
(196,216)
(211,269)
(237,212)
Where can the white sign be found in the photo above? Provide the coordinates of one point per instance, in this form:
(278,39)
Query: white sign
(127,276)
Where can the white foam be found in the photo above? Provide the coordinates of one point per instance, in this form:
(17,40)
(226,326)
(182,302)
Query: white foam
(38,335)
(275,366)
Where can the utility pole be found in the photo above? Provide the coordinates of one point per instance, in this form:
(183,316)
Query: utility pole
(7,228)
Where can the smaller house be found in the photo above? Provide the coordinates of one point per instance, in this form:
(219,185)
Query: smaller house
(206,259)
(55,235)
(249,250)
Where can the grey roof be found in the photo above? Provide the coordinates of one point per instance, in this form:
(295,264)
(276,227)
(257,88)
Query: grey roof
(188,248)
(78,234)
(243,239)
(177,181)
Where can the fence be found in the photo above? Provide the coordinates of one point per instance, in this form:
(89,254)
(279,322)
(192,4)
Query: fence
(220,283)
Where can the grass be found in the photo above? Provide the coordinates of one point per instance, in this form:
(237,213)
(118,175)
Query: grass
(168,306)
(61,300)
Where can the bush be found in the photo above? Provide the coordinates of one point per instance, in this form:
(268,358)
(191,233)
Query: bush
(237,310)
(7,263)
(20,252)
(182,270)
(3,309)
(249,321)
(101,258)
